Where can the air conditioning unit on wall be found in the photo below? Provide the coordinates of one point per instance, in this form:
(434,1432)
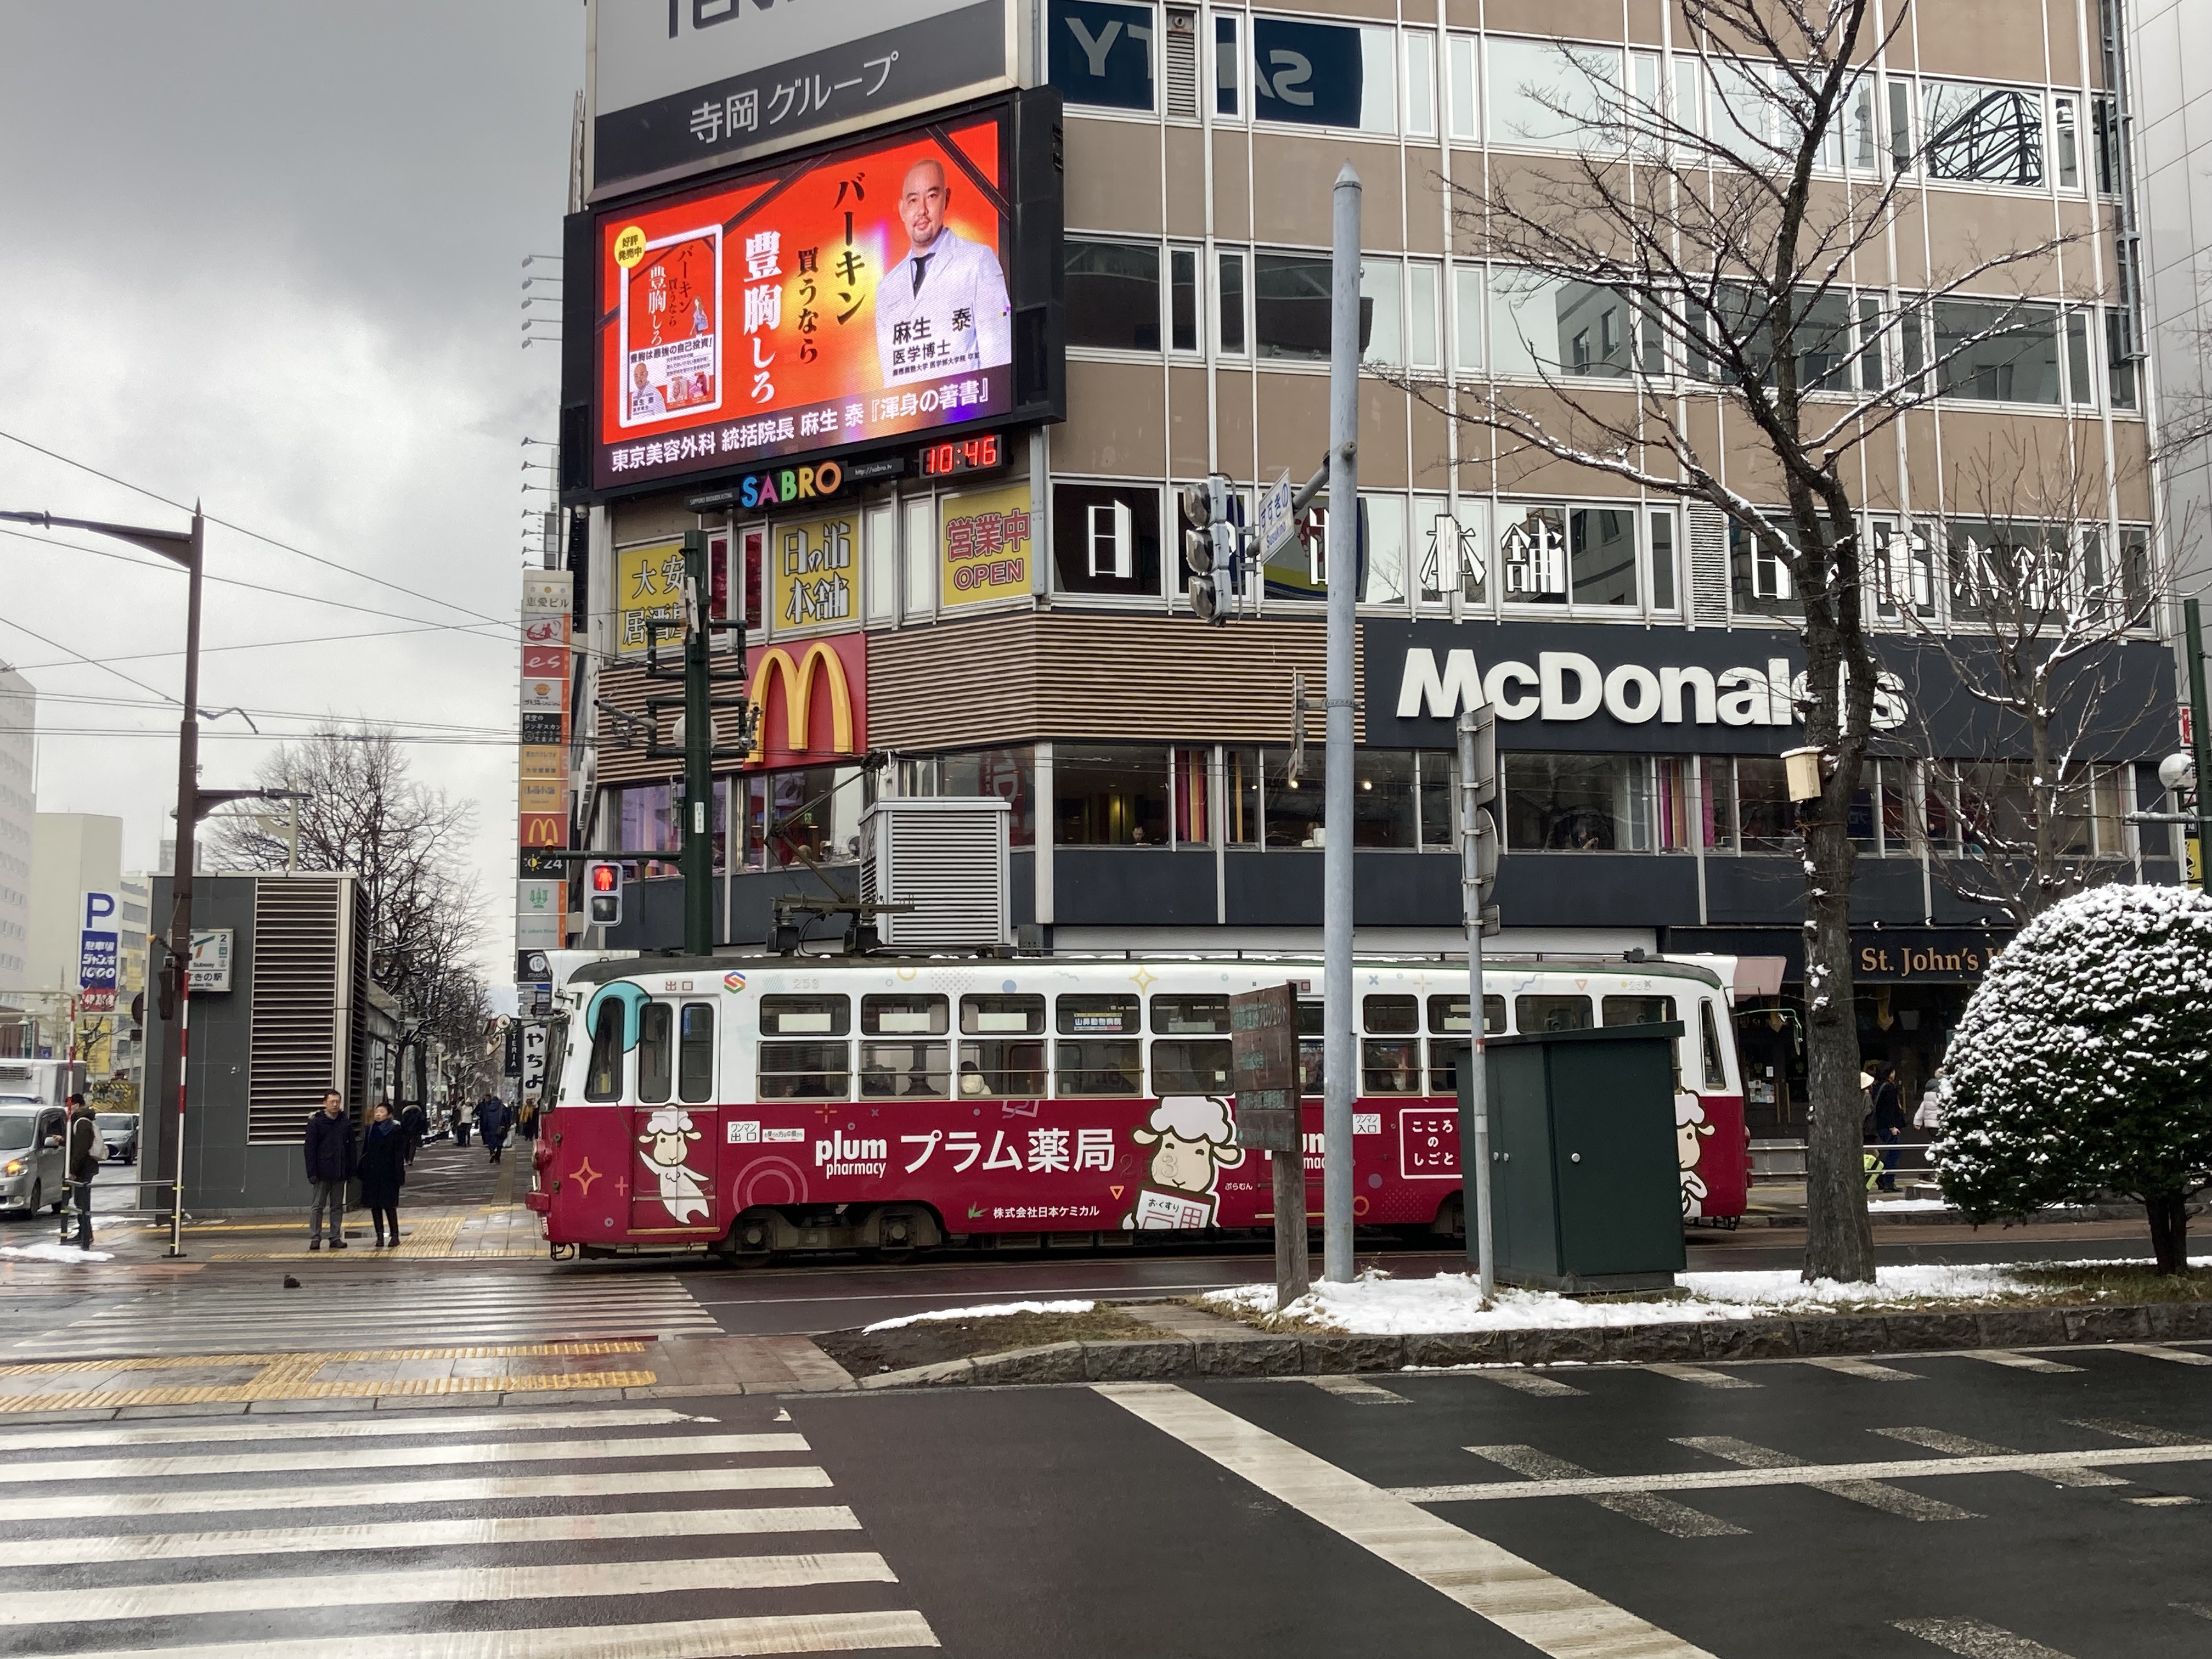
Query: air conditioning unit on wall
(946,857)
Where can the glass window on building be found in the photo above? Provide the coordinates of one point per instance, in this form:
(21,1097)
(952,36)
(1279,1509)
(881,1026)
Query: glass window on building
(2000,810)
(1384,800)
(1240,776)
(1113,295)
(647,819)
(1227,80)
(1448,547)
(1324,74)
(1543,92)
(811,812)
(918,551)
(1381,282)
(1577,803)
(1293,805)
(1766,816)
(1437,767)
(1106,539)
(1009,773)
(1193,817)
(1541,327)
(1758,575)
(1997,351)
(1290,306)
(1982,134)
(1602,555)
(1100,52)
(1110,795)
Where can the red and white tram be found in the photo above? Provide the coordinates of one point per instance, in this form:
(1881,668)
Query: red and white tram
(896,1103)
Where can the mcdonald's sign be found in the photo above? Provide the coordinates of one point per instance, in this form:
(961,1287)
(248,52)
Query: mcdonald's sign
(812,697)
(544,829)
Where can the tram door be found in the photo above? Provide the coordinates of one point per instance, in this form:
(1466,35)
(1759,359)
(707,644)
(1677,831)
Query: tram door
(675,1128)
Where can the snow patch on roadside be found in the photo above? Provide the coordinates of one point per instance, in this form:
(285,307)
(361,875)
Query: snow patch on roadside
(53,1253)
(994,1310)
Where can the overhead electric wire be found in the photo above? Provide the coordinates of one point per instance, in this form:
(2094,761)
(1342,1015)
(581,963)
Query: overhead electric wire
(286,547)
(167,701)
(80,699)
(257,645)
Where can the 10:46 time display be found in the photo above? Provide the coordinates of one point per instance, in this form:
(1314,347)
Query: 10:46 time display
(976,454)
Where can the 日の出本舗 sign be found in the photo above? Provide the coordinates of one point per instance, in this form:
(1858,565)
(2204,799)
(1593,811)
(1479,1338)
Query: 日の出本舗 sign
(1599,687)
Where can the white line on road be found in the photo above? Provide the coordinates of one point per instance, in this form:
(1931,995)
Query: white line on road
(2019,1362)
(2160,1351)
(1513,1376)
(383,1426)
(1549,1613)
(386,1589)
(1676,1520)
(483,1451)
(1957,1445)
(1974,1640)
(1354,1389)
(2140,1433)
(2162,1501)
(510,1529)
(1871,1494)
(703,1639)
(64,1503)
(1702,1377)
(1866,1369)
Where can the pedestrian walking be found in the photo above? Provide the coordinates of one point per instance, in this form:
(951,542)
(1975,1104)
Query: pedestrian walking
(492,1124)
(525,1120)
(460,1121)
(1890,1122)
(85,1151)
(414,1124)
(383,1172)
(329,1166)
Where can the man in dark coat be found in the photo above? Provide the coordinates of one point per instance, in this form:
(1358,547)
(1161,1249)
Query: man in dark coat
(85,1151)
(1890,1122)
(415,1125)
(329,1166)
(491,1123)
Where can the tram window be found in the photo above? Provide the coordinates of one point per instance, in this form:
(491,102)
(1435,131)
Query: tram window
(1552,1013)
(1391,1066)
(1710,1042)
(905,1016)
(1443,1063)
(656,1051)
(1101,1066)
(1391,1016)
(829,1016)
(603,1078)
(1450,1014)
(1640,1010)
(898,1070)
(1189,1015)
(1182,1066)
(694,1052)
(1009,1016)
(804,1071)
(1104,1015)
(997,1066)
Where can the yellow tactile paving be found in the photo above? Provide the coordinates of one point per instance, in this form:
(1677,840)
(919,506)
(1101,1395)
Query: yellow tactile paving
(492,1229)
(350,1356)
(289,1388)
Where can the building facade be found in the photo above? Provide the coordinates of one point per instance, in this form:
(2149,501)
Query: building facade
(78,858)
(19,807)
(1007,615)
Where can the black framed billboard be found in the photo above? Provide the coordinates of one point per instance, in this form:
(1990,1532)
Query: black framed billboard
(901,286)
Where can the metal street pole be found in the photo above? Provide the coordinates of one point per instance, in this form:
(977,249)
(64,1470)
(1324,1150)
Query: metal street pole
(1475,1151)
(698,855)
(2200,740)
(1339,1056)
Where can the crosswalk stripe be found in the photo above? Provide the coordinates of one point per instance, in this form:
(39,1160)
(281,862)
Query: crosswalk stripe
(1526,1382)
(513,1529)
(2019,1362)
(2160,1351)
(2143,1434)
(1701,1376)
(387,1588)
(382,1425)
(1676,1520)
(1957,1445)
(1872,1494)
(1359,1392)
(703,1639)
(1865,1369)
(487,1451)
(1973,1639)
(1551,1614)
(70,1503)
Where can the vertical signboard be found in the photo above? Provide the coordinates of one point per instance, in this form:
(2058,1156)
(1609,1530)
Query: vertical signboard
(98,955)
(987,546)
(1263,1042)
(542,762)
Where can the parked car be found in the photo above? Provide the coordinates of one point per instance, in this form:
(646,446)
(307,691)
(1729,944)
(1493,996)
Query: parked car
(120,1131)
(34,1156)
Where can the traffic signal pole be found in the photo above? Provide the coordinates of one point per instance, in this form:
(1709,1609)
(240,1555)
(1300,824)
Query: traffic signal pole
(1477,782)
(1339,1056)
(2200,740)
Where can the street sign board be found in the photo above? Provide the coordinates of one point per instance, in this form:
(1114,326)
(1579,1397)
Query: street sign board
(1263,1041)
(211,958)
(533,1059)
(1277,525)
(98,955)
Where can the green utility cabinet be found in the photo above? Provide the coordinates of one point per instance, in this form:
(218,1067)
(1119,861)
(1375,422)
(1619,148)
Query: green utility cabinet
(1585,1191)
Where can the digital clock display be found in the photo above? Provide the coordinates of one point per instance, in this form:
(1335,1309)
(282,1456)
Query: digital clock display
(977,454)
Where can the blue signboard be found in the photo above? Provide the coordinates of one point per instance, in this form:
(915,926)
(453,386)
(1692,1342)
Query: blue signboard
(1309,73)
(1101,53)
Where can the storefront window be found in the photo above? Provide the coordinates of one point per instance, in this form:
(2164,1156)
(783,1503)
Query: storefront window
(647,819)
(1382,798)
(1110,795)
(1436,770)
(1294,806)
(1577,803)
(1194,822)
(1010,774)
(1241,779)
(810,813)
(1766,818)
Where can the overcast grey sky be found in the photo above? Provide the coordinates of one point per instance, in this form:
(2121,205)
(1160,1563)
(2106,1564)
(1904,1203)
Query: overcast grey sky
(269,254)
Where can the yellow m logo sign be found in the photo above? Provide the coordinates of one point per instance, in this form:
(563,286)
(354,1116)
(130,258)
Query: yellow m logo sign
(798,679)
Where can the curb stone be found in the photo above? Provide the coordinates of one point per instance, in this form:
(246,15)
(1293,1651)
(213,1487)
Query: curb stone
(1813,1336)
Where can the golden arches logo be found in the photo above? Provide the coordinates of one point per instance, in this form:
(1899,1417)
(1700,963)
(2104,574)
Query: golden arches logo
(775,664)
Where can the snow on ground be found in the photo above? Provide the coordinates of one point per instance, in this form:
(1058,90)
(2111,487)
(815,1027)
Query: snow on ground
(994,1310)
(53,1253)
(1373,1305)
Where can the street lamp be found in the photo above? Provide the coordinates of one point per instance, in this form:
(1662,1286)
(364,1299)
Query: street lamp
(186,547)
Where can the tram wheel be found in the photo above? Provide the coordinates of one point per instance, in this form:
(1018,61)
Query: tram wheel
(751,1243)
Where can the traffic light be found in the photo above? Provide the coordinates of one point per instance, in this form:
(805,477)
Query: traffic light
(1211,546)
(602,894)
(1478,758)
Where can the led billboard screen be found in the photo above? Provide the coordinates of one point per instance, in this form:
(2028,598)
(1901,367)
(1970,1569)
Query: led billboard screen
(839,298)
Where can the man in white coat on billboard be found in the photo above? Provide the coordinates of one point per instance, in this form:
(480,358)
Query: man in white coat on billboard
(942,309)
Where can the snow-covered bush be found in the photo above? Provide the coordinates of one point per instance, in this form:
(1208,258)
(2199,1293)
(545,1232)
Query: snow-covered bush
(2084,1064)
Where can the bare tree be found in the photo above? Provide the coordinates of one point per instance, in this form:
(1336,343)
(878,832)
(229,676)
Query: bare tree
(364,813)
(1735,226)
